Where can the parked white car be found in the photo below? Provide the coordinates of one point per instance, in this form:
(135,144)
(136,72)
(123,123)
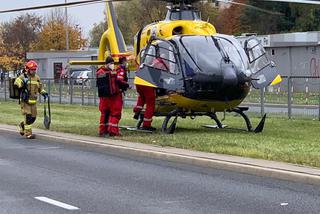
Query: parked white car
(84,77)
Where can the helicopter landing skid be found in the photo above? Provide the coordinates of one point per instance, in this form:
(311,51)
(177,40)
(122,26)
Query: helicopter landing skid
(214,126)
(138,130)
(214,117)
(165,128)
(172,127)
(134,128)
(241,110)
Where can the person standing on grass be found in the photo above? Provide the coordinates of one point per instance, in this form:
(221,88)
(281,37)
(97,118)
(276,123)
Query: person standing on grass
(30,85)
(147,95)
(110,83)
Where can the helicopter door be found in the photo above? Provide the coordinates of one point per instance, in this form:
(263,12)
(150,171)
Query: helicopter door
(160,67)
(264,71)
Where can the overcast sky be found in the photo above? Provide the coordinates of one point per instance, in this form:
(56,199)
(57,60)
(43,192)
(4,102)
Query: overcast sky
(86,16)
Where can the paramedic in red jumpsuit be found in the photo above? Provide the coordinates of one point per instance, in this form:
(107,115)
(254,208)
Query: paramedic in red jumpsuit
(147,95)
(111,106)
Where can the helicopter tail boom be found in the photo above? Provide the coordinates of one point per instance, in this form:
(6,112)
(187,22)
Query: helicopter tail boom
(112,38)
(111,42)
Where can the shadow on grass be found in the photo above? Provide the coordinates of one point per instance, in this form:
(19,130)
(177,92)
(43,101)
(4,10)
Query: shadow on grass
(187,130)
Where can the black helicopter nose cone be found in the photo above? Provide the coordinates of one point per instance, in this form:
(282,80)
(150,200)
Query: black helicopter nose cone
(229,75)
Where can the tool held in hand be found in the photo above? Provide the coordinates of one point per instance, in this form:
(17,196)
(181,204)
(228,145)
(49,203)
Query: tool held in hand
(47,118)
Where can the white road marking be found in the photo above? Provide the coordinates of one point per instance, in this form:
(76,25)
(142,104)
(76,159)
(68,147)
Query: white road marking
(56,203)
(284,204)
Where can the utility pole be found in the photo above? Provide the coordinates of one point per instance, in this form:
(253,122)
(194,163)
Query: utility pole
(67,45)
(67,31)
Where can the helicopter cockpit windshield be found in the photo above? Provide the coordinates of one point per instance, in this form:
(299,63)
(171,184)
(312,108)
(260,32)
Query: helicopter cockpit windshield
(177,14)
(204,54)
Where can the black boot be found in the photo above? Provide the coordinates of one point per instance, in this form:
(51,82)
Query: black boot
(148,128)
(31,136)
(136,115)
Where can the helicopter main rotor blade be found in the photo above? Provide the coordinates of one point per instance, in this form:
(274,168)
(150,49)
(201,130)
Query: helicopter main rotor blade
(249,6)
(297,1)
(78,3)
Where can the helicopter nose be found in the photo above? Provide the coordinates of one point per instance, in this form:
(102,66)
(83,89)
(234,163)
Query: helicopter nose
(229,75)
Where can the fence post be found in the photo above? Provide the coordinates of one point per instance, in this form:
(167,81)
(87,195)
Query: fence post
(46,88)
(82,95)
(289,97)
(71,91)
(262,94)
(95,96)
(5,88)
(60,91)
(319,103)
(319,108)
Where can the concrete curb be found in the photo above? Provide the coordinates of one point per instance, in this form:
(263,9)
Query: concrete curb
(251,166)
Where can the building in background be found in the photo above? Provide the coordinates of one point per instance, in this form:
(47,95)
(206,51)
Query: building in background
(54,64)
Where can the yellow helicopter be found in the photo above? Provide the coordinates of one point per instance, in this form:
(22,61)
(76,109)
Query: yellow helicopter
(205,73)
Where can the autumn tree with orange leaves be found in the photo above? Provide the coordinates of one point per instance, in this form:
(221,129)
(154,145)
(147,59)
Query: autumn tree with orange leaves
(16,39)
(53,34)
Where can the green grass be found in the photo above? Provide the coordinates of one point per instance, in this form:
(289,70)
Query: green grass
(295,141)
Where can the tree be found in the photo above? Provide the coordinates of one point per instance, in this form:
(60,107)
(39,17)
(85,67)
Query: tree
(295,17)
(208,12)
(307,17)
(134,15)
(96,33)
(264,23)
(229,20)
(53,33)
(17,38)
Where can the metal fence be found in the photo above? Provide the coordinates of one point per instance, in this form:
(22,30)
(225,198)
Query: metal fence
(295,96)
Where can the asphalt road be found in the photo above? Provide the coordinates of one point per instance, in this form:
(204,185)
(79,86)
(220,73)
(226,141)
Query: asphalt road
(47,177)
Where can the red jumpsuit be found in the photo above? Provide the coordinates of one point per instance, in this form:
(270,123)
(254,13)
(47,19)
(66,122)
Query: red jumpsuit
(111,107)
(147,95)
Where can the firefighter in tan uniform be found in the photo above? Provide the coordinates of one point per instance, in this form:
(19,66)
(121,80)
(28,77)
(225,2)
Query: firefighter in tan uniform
(30,85)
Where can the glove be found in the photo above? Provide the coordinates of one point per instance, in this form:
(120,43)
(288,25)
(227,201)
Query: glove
(45,95)
(125,86)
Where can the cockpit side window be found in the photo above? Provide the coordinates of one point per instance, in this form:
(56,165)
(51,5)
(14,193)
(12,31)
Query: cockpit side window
(161,57)
(254,49)
(257,55)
